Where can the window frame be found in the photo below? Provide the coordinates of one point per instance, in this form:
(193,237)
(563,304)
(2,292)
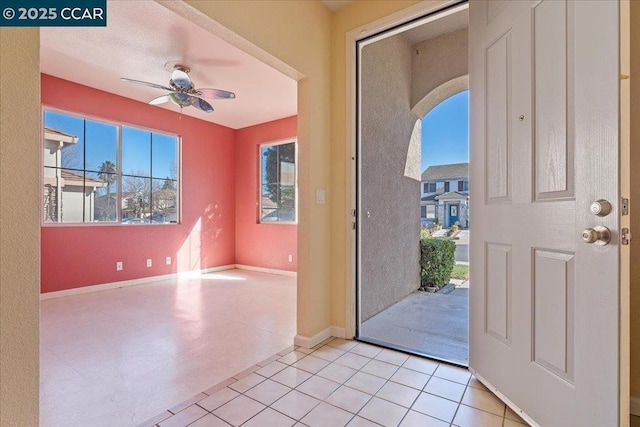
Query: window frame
(259,185)
(434,214)
(118,124)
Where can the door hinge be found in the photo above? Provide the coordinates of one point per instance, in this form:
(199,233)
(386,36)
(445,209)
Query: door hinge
(625,236)
(353,225)
(353,213)
(624,206)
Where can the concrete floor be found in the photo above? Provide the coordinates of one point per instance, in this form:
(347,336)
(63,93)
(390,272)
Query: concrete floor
(436,325)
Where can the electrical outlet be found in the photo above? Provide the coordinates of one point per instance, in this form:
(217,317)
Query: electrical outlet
(290,258)
(168,260)
(119,266)
(149,263)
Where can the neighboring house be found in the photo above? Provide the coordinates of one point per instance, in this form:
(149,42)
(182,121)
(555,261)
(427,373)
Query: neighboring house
(135,206)
(444,191)
(68,196)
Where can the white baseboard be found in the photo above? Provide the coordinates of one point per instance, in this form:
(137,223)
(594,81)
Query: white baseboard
(266,270)
(309,342)
(337,332)
(635,406)
(132,282)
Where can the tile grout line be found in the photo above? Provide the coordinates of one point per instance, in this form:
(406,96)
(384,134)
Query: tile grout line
(291,349)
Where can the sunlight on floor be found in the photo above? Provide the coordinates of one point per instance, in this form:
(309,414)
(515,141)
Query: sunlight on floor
(104,354)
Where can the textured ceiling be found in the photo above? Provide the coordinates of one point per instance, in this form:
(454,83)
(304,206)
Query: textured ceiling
(141,37)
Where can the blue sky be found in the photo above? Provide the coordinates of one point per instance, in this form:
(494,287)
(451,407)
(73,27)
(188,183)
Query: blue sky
(102,137)
(445,132)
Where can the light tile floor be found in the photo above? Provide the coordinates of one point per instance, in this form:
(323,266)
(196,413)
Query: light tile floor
(344,383)
(118,357)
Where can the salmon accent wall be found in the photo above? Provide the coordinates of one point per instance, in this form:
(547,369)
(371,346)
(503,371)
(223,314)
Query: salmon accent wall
(261,245)
(75,256)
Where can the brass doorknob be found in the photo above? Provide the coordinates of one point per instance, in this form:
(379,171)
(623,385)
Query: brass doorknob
(599,235)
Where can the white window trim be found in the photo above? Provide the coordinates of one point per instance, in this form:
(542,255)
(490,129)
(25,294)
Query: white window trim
(119,125)
(259,192)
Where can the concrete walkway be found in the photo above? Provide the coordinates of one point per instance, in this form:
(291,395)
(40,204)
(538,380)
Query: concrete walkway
(430,324)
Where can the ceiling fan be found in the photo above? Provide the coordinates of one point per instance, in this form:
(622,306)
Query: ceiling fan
(182,91)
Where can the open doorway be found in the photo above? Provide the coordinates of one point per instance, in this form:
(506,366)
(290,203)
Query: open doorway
(433,320)
(413,182)
(183,219)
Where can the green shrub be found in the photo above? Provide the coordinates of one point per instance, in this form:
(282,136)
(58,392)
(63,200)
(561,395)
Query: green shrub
(437,258)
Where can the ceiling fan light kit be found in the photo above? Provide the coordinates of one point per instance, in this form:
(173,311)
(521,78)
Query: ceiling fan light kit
(182,91)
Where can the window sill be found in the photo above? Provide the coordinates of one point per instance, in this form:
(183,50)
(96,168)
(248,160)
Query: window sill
(102,224)
(277,223)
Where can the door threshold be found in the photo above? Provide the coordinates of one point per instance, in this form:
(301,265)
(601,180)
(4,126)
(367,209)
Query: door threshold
(412,352)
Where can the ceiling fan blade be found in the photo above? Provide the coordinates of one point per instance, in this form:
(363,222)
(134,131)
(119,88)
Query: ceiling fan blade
(160,100)
(140,82)
(201,104)
(181,79)
(215,93)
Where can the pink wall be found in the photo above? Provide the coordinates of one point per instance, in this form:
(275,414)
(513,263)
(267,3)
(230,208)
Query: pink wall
(80,256)
(260,245)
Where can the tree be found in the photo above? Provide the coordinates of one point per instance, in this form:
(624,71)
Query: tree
(168,184)
(107,173)
(274,159)
(136,190)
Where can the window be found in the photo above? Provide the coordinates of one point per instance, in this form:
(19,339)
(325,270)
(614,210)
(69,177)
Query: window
(425,187)
(446,186)
(423,211)
(432,187)
(98,172)
(278,182)
(431,211)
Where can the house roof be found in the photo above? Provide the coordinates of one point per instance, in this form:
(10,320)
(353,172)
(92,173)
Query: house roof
(429,198)
(452,195)
(442,172)
(58,135)
(58,132)
(70,176)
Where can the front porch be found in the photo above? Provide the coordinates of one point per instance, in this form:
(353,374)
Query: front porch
(436,325)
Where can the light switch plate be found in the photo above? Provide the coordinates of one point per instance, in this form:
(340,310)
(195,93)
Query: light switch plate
(320,197)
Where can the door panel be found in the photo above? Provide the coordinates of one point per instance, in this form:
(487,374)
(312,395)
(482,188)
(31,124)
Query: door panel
(497,78)
(498,284)
(544,145)
(553,134)
(553,293)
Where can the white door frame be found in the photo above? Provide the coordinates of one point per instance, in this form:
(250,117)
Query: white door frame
(401,17)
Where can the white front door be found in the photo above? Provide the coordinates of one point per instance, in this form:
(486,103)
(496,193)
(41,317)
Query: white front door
(544,331)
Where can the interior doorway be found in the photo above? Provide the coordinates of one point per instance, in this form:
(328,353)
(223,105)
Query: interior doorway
(413,187)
